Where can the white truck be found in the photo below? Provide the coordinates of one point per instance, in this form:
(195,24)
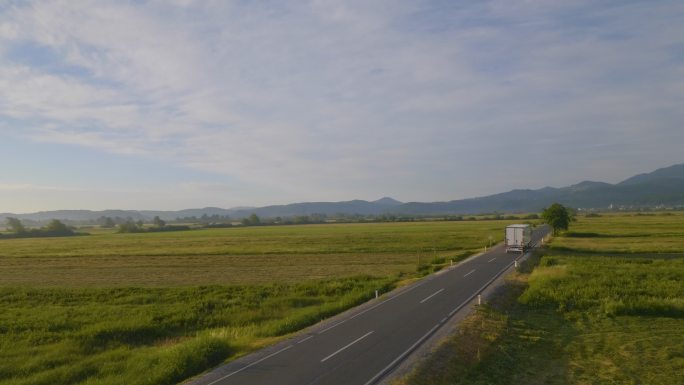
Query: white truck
(518,238)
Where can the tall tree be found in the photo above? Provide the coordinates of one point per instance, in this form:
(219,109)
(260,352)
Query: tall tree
(252,220)
(57,227)
(15,225)
(158,221)
(558,217)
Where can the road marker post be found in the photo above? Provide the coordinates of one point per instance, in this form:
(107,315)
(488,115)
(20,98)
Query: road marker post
(479,299)
(376,294)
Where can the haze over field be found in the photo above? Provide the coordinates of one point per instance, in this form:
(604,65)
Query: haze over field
(174,104)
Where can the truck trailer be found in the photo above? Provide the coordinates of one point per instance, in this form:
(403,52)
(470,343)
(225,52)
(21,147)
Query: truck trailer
(518,238)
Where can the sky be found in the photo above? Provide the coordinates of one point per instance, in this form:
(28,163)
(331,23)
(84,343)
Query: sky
(167,105)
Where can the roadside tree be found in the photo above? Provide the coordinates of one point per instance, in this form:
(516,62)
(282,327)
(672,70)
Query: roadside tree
(558,217)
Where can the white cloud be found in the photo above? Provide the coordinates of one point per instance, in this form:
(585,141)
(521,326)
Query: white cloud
(330,100)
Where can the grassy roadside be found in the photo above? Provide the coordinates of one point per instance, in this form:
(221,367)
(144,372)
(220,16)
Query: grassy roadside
(589,318)
(154,335)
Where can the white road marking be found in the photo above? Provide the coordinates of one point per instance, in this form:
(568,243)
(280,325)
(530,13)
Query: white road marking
(348,345)
(250,365)
(491,259)
(372,307)
(471,272)
(305,339)
(409,350)
(401,356)
(480,289)
(432,295)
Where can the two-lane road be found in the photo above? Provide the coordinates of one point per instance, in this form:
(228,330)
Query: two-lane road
(363,348)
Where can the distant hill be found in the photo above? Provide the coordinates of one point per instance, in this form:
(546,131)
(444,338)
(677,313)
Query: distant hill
(355,207)
(672,172)
(386,201)
(664,186)
(187,213)
(76,215)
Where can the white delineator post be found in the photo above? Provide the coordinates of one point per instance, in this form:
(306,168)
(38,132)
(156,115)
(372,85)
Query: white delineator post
(376,294)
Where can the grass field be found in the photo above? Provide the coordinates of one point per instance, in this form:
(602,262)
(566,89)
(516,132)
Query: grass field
(250,255)
(583,316)
(659,233)
(157,308)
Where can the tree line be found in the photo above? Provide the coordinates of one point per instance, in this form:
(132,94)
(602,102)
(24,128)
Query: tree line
(54,228)
(556,215)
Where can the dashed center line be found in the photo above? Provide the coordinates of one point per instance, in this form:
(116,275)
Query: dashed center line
(491,259)
(432,295)
(348,345)
(471,272)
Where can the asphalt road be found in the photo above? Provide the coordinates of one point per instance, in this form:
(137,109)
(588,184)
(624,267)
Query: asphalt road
(366,346)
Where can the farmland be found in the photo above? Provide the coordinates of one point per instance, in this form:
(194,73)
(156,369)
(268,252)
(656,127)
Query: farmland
(604,305)
(159,307)
(251,255)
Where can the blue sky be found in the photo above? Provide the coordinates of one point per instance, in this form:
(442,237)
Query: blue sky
(176,104)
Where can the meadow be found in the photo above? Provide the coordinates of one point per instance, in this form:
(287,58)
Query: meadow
(630,234)
(249,255)
(593,310)
(157,308)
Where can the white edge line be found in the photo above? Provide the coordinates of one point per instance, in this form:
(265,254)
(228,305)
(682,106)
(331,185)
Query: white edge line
(372,307)
(471,272)
(483,287)
(401,356)
(348,345)
(305,339)
(432,295)
(250,365)
(474,256)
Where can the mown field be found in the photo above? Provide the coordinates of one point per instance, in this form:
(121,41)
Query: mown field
(249,255)
(604,306)
(157,308)
(641,233)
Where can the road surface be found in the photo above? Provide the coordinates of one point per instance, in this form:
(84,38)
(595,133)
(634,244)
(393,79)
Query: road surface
(365,347)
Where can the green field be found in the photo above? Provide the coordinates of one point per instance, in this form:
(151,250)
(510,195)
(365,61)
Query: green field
(156,308)
(249,255)
(659,233)
(605,306)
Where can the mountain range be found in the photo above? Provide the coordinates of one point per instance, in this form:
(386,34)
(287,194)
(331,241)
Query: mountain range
(662,187)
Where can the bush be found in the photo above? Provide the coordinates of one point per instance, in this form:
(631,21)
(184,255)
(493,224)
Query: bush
(130,227)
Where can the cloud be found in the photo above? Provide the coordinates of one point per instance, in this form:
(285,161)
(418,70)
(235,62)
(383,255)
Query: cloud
(334,100)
